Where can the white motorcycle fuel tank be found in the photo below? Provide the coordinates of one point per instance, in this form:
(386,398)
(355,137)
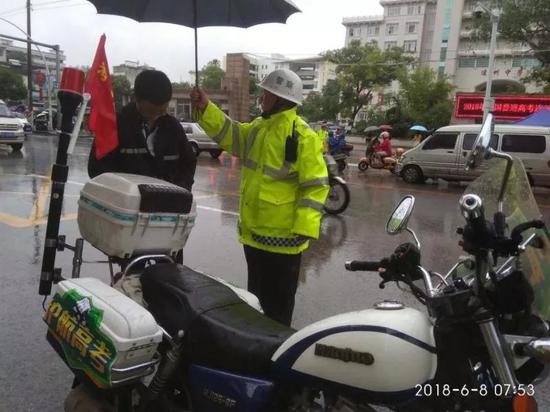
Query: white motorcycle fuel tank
(377,355)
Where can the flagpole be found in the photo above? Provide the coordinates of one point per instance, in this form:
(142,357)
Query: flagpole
(77,125)
(70,96)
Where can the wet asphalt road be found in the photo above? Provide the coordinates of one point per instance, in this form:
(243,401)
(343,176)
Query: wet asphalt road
(33,378)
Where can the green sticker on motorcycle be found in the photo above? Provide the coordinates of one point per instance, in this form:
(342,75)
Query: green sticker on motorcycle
(74,323)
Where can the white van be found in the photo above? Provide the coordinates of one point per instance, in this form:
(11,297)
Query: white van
(11,129)
(443,154)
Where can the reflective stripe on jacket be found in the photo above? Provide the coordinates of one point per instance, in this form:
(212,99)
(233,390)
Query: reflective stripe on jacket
(281,202)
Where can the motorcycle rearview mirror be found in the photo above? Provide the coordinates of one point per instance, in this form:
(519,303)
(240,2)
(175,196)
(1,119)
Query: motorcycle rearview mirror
(481,149)
(400,217)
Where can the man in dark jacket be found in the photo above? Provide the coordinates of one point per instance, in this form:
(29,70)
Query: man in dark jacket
(151,142)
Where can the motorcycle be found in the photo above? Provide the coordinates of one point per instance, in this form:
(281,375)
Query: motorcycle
(375,162)
(168,338)
(341,156)
(339,195)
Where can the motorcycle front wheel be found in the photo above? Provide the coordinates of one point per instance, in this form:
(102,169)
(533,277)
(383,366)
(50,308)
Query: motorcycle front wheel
(338,197)
(363,165)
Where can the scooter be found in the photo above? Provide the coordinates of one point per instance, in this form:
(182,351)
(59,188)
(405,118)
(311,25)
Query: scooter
(375,162)
(339,195)
(167,338)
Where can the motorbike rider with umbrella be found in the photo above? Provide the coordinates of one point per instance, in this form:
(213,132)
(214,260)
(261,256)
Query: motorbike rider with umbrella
(383,149)
(284,186)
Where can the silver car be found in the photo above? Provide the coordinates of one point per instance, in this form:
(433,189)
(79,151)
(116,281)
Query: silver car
(200,142)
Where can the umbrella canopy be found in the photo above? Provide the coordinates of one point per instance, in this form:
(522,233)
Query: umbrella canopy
(369,129)
(200,13)
(419,128)
(385,127)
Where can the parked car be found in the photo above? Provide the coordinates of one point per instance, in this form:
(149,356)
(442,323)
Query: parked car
(199,140)
(11,129)
(443,154)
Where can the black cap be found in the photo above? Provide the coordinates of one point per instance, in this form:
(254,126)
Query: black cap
(153,86)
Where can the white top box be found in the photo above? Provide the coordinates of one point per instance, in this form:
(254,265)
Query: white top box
(125,215)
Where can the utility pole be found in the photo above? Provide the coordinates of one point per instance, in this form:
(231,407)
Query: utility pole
(488,101)
(29,60)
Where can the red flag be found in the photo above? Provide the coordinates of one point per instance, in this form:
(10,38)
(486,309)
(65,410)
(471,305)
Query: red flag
(102,114)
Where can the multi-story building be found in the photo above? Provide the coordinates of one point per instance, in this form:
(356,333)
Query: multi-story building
(130,70)
(314,71)
(405,23)
(240,67)
(464,59)
(440,34)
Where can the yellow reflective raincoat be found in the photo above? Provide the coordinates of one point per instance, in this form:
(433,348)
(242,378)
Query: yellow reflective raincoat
(281,201)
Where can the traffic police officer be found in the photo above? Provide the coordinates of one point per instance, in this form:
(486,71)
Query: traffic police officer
(283,187)
(323,136)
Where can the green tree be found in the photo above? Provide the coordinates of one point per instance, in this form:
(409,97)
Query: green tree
(122,90)
(11,85)
(254,91)
(182,85)
(363,69)
(211,75)
(311,108)
(324,105)
(425,99)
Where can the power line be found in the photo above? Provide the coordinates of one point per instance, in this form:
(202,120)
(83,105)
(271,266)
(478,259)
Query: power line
(64,6)
(45,3)
(40,7)
(10,11)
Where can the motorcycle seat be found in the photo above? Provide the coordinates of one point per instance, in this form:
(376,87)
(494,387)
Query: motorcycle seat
(220,330)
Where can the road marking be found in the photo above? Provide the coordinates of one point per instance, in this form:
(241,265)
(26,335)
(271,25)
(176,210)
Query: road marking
(213,209)
(30,193)
(72,182)
(37,215)
(413,189)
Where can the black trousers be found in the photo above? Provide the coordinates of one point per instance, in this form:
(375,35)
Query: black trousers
(273,278)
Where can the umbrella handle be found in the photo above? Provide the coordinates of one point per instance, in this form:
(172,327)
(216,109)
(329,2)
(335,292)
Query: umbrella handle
(196,43)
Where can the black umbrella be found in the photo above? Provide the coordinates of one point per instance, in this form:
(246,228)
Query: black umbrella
(200,13)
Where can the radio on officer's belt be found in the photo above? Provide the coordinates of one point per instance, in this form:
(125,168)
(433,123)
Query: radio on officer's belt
(291,146)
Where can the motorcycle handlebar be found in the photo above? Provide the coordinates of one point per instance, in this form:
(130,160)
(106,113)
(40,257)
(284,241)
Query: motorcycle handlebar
(517,231)
(363,265)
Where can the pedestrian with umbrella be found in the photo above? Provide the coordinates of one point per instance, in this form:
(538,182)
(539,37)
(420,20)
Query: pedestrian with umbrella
(420,132)
(284,185)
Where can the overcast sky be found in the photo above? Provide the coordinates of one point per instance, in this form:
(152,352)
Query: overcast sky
(76,27)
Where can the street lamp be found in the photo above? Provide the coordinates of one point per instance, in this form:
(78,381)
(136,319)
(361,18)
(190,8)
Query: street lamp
(488,102)
(29,39)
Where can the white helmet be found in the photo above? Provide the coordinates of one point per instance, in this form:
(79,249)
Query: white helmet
(284,83)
